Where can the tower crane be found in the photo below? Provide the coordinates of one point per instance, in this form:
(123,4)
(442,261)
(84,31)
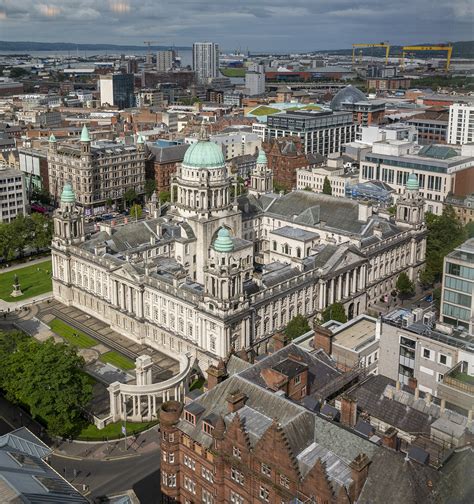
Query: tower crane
(381,44)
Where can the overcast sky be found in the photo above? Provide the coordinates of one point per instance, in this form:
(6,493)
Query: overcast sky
(266,25)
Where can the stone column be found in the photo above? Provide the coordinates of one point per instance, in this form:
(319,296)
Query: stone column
(354,280)
(339,288)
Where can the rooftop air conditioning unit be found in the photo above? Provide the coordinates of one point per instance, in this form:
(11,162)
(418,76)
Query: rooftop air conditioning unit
(417,314)
(407,320)
(429,318)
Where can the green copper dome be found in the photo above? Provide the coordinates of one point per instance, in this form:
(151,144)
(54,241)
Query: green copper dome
(52,138)
(68,196)
(204,154)
(223,242)
(85,134)
(262,157)
(412,182)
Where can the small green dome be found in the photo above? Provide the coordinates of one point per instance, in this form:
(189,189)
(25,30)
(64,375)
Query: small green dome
(412,182)
(52,138)
(68,196)
(204,154)
(223,242)
(262,157)
(85,134)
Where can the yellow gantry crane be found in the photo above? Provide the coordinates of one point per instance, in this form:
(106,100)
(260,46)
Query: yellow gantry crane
(447,48)
(381,44)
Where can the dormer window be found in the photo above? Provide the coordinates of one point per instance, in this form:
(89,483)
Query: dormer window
(189,417)
(207,428)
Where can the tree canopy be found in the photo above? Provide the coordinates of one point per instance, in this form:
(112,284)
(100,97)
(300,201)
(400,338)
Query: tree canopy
(136,211)
(445,233)
(130,196)
(327,189)
(335,312)
(45,377)
(297,326)
(404,285)
(150,187)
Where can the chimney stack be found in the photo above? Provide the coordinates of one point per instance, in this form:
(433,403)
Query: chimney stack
(378,328)
(322,339)
(390,439)
(412,383)
(280,340)
(216,374)
(365,211)
(235,401)
(359,471)
(348,411)
(417,393)
(442,407)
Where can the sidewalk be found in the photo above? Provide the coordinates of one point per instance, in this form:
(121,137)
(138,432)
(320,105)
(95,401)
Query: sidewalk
(6,306)
(25,264)
(144,442)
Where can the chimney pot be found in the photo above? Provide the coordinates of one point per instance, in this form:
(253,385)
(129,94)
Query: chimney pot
(235,401)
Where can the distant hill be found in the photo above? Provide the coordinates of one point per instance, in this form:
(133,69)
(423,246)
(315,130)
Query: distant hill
(20,47)
(462,49)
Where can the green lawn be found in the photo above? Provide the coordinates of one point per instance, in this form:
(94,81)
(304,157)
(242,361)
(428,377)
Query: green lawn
(72,335)
(232,72)
(112,431)
(463,377)
(197,384)
(263,110)
(118,360)
(34,280)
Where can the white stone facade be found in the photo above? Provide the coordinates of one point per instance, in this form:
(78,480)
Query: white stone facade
(204,278)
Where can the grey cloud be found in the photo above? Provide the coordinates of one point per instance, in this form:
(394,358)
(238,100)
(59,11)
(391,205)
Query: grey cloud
(278,25)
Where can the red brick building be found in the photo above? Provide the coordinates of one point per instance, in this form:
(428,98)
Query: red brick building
(257,437)
(285,155)
(162,163)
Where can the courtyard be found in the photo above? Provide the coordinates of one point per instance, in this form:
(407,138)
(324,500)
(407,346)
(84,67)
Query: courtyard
(34,280)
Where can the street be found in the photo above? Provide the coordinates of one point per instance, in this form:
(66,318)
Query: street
(139,473)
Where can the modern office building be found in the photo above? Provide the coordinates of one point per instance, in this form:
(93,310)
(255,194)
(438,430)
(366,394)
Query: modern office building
(431,125)
(321,132)
(365,112)
(438,169)
(98,171)
(461,123)
(414,350)
(12,193)
(164,60)
(255,80)
(205,61)
(233,144)
(457,300)
(117,90)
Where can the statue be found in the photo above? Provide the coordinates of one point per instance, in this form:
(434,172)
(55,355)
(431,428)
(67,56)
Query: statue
(16,287)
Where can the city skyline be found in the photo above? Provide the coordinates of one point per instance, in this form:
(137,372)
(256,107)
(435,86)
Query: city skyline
(309,25)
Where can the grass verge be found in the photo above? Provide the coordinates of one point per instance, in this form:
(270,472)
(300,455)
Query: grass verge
(117,360)
(34,280)
(72,335)
(112,431)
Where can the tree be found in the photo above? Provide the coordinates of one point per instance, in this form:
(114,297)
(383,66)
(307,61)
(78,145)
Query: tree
(22,233)
(150,188)
(404,286)
(427,277)
(108,203)
(43,231)
(164,196)
(130,196)
(41,196)
(297,326)
(469,230)
(278,188)
(48,378)
(335,312)
(6,241)
(308,188)
(327,189)
(445,233)
(136,211)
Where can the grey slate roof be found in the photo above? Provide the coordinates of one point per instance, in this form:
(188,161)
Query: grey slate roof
(26,478)
(370,398)
(235,365)
(174,153)
(391,477)
(320,372)
(295,233)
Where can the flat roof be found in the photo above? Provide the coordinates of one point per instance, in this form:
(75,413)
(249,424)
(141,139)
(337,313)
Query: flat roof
(355,335)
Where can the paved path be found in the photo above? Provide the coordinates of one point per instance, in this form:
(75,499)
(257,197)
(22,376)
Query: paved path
(25,264)
(6,306)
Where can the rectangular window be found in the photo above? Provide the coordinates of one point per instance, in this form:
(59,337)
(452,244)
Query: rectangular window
(189,462)
(426,353)
(297,379)
(237,476)
(207,474)
(207,497)
(236,452)
(284,481)
(189,485)
(264,494)
(266,470)
(235,498)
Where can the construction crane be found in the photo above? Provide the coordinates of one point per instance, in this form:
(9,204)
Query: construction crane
(381,44)
(447,48)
